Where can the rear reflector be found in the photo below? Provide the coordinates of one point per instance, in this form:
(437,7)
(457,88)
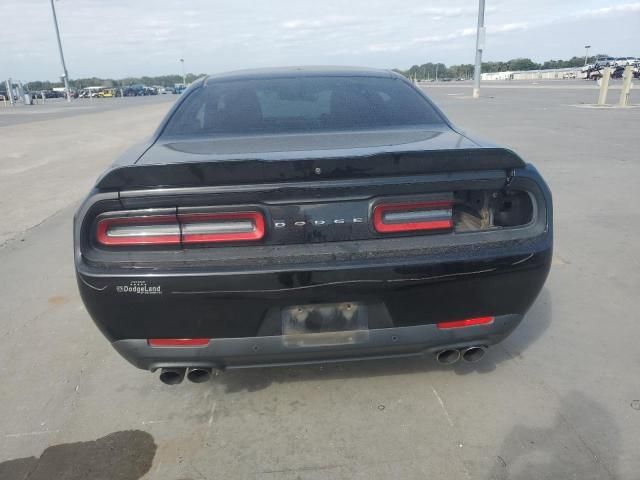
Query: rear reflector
(469,322)
(221,227)
(412,217)
(182,228)
(178,342)
(141,230)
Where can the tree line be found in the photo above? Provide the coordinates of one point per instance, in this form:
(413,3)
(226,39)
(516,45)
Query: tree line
(420,72)
(428,70)
(79,83)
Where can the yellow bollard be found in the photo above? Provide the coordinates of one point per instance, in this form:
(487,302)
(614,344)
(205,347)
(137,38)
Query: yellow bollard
(604,86)
(626,86)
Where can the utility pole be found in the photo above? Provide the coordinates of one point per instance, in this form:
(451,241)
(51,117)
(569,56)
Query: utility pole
(586,55)
(184,79)
(64,66)
(436,72)
(480,34)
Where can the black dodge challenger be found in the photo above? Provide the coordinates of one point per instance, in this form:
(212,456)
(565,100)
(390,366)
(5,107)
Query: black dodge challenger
(310,215)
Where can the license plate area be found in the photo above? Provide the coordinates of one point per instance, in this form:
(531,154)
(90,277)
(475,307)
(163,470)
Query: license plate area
(325,324)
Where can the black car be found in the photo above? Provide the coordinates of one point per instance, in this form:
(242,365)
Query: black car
(308,215)
(135,91)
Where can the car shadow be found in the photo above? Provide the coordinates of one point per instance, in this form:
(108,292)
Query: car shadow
(532,327)
(126,455)
(565,449)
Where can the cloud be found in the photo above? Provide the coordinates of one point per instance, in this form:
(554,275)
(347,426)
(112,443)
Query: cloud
(613,10)
(321,23)
(469,32)
(438,13)
(508,27)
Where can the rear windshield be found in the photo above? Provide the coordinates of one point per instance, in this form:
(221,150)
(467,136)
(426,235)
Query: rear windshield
(302,104)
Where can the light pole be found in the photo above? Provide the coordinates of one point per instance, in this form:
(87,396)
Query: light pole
(184,80)
(586,54)
(479,47)
(65,75)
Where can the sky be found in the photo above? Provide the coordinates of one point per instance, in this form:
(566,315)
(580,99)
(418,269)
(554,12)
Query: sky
(119,38)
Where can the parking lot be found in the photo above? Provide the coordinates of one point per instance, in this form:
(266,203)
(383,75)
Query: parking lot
(558,399)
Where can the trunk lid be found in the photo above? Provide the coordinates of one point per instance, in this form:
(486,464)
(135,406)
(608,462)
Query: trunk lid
(306,157)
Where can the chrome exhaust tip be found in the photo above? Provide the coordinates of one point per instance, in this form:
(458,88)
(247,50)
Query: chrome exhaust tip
(473,354)
(448,357)
(172,376)
(199,374)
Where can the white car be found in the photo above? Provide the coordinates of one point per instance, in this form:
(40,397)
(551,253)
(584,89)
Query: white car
(605,62)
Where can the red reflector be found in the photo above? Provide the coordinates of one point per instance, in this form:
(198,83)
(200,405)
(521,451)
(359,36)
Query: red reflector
(178,342)
(411,217)
(140,230)
(222,227)
(469,322)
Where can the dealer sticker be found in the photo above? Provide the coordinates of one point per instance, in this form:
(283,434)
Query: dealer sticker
(139,287)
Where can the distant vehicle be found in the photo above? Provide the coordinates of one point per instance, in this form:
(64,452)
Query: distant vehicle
(605,62)
(569,75)
(135,91)
(53,94)
(208,248)
(160,90)
(179,88)
(107,93)
(588,67)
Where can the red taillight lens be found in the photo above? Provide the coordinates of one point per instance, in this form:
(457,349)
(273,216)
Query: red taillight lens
(178,342)
(181,229)
(221,227)
(469,322)
(412,217)
(139,230)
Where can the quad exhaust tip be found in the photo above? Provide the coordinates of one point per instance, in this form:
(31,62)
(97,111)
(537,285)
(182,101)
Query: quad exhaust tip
(473,354)
(448,356)
(172,376)
(199,374)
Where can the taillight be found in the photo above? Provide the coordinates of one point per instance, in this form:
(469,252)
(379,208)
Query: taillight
(412,217)
(188,228)
(178,342)
(469,322)
(221,227)
(139,230)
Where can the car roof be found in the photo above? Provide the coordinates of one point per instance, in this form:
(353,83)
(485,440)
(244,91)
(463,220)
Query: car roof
(301,71)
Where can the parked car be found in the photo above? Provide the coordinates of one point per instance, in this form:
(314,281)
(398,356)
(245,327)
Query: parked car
(178,88)
(301,215)
(604,62)
(107,93)
(134,91)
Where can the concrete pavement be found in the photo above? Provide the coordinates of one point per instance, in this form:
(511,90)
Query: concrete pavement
(558,399)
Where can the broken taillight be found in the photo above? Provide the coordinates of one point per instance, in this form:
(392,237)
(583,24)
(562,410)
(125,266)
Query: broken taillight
(412,217)
(189,228)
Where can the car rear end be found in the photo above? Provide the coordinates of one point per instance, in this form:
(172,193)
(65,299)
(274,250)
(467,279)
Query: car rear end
(396,241)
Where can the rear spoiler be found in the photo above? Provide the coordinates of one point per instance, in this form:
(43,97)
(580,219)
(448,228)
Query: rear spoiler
(232,172)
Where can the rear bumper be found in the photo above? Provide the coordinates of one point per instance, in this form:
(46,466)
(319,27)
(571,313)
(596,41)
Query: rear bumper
(272,350)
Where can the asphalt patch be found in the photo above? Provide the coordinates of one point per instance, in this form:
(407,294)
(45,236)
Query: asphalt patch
(126,455)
